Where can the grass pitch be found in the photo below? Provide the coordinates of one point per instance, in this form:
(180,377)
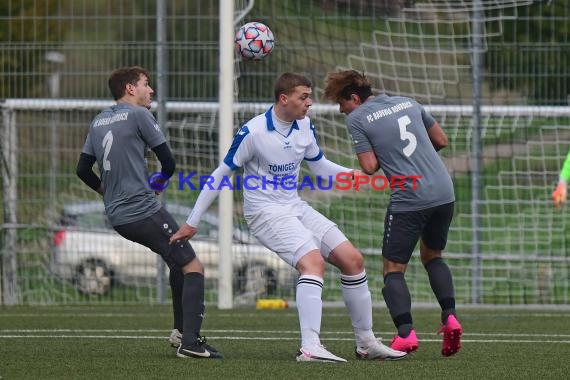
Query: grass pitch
(130,342)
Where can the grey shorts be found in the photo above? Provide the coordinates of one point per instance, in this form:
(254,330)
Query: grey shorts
(154,232)
(403,229)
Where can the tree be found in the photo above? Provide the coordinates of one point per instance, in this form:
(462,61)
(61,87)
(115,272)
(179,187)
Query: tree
(25,32)
(531,57)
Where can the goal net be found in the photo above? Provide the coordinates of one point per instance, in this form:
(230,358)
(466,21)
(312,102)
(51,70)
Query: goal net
(418,48)
(523,238)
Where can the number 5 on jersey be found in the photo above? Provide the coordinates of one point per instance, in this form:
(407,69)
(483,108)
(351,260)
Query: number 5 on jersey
(403,122)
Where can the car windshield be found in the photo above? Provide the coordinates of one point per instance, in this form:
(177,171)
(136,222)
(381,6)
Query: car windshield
(92,216)
(87,220)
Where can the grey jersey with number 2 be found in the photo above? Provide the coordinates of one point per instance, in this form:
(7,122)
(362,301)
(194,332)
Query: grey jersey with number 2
(395,129)
(119,138)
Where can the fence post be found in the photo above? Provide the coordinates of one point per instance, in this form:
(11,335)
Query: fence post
(476,154)
(225,203)
(162,117)
(9,141)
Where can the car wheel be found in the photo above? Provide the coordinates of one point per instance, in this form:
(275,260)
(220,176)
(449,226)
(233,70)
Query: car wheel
(93,277)
(256,280)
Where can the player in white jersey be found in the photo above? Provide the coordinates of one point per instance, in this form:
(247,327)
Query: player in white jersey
(270,148)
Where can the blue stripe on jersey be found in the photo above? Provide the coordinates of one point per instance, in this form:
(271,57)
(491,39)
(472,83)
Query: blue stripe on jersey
(318,156)
(238,138)
(270,126)
(314,132)
(293,126)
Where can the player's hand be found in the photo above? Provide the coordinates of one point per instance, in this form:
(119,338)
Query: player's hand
(356,179)
(559,194)
(185,232)
(356,172)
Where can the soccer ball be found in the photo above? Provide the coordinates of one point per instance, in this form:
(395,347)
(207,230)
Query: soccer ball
(254,41)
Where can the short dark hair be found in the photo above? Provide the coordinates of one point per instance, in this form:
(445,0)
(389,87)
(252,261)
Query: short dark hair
(342,84)
(287,82)
(121,77)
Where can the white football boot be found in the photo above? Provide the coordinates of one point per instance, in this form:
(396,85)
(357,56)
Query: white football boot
(376,350)
(317,353)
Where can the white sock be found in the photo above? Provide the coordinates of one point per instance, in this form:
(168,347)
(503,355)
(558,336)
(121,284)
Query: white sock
(310,308)
(358,301)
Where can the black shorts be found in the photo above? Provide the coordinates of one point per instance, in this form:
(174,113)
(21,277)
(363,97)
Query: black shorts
(403,229)
(154,232)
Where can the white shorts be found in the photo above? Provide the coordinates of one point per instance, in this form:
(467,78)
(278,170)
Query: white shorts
(292,231)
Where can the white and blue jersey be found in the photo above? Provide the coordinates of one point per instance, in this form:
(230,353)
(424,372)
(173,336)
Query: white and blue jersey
(270,151)
(271,159)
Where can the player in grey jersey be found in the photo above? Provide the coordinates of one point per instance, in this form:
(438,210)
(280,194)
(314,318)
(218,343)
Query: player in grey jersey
(397,134)
(117,140)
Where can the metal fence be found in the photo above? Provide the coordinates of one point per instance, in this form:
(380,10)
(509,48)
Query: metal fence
(63,51)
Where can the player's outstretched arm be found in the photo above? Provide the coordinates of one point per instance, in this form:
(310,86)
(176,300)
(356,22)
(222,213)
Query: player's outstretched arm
(205,199)
(324,167)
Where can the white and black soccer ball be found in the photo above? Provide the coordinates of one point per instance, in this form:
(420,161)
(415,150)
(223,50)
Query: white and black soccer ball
(254,41)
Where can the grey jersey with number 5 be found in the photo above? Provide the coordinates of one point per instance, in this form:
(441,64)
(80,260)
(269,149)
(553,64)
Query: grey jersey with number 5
(395,129)
(119,138)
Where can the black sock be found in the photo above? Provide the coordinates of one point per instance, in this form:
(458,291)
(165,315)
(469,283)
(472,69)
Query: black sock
(176,280)
(193,306)
(399,302)
(441,283)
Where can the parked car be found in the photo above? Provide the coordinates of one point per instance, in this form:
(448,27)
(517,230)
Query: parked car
(88,252)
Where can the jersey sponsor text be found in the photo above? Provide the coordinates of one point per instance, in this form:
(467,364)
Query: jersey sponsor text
(109,120)
(388,111)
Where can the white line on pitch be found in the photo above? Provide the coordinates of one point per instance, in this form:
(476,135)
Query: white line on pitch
(385,333)
(261,338)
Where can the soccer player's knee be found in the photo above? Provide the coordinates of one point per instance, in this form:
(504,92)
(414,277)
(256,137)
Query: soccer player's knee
(348,261)
(193,266)
(431,260)
(428,255)
(393,276)
(393,266)
(357,261)
(313,264)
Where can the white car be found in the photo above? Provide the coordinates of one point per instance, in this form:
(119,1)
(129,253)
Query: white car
(87,251)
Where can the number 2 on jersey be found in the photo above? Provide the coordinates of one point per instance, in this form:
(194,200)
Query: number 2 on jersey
(403,122)
(106,143)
